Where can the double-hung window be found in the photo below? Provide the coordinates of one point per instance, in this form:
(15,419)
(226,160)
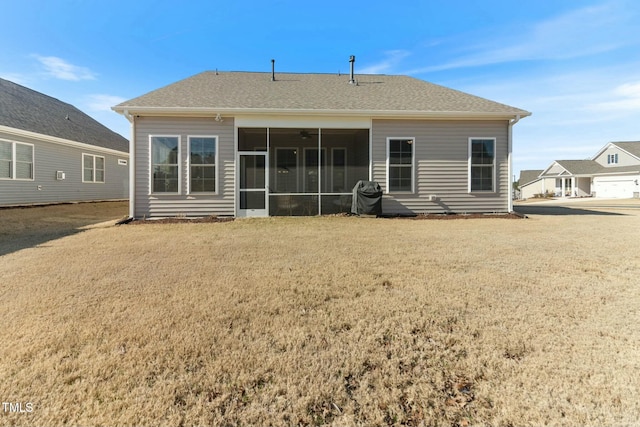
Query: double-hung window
(165,152)
(202,164)
(482,164)
(92,168)
(400,164)
(612,159)
(16,160)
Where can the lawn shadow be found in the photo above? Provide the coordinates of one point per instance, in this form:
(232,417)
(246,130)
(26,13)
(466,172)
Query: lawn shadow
(34,238)
(559,210)
(34,226)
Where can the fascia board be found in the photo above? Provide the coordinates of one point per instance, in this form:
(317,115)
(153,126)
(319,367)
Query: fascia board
(631,172)
(407,114)
(60,141)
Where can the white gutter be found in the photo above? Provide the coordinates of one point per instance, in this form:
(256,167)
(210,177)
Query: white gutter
(132,167)
(410,114)
(512,122)
(60,141)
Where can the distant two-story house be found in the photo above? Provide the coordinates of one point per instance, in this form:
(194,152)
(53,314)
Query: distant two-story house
(51,152)
(259,144)
(614,172)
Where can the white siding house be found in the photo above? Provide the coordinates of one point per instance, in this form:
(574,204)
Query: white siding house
(614,172)
(531,185)
(296,144)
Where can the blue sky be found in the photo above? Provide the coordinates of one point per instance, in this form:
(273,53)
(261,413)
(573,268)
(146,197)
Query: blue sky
(573,63)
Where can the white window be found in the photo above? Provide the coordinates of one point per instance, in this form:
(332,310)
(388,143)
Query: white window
(92,168)
(16,160)
(202,164)
(400,164)
(482,164)
(165,152)
(612,158)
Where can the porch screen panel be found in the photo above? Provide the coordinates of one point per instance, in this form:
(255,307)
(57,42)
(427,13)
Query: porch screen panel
(347,159)
(252,182)
(252,139)
(314,170)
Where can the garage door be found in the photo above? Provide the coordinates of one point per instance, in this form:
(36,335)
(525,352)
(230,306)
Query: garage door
(614,188)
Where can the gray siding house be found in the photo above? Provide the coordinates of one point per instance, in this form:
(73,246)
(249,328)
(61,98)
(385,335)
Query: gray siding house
(259,144)
(51,152)
(613,172)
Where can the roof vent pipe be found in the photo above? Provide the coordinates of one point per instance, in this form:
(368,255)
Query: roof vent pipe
(273,70)
(352,60)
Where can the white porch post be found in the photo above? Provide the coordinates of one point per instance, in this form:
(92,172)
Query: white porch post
(563,187)
(574,192)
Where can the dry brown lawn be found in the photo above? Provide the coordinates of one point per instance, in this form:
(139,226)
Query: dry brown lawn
(339,321)
(30,226)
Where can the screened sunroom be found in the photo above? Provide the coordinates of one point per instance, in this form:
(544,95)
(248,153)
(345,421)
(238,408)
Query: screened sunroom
(292,171)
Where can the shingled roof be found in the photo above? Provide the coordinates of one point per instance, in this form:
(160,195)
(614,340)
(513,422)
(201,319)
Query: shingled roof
(226,92)
(28,110)
(591,167)
(529,176)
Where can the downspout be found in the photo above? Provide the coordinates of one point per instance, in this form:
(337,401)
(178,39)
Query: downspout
(512,122)
(132,168)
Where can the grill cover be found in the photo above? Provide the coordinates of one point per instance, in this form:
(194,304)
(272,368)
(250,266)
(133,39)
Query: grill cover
(367,198)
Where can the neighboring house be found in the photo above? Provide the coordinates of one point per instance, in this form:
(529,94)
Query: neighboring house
(52,152)
(531,185)
(259,144)
(614,172)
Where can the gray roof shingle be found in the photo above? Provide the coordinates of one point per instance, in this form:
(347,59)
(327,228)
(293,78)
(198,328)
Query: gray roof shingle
(25,109)
(528,176)
(314,92)
(591,167)
(632,147)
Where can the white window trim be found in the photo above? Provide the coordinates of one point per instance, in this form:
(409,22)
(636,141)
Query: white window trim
(151,192)
(493,175)
(413,165)
(215,191)
(104,171)
(14,162)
